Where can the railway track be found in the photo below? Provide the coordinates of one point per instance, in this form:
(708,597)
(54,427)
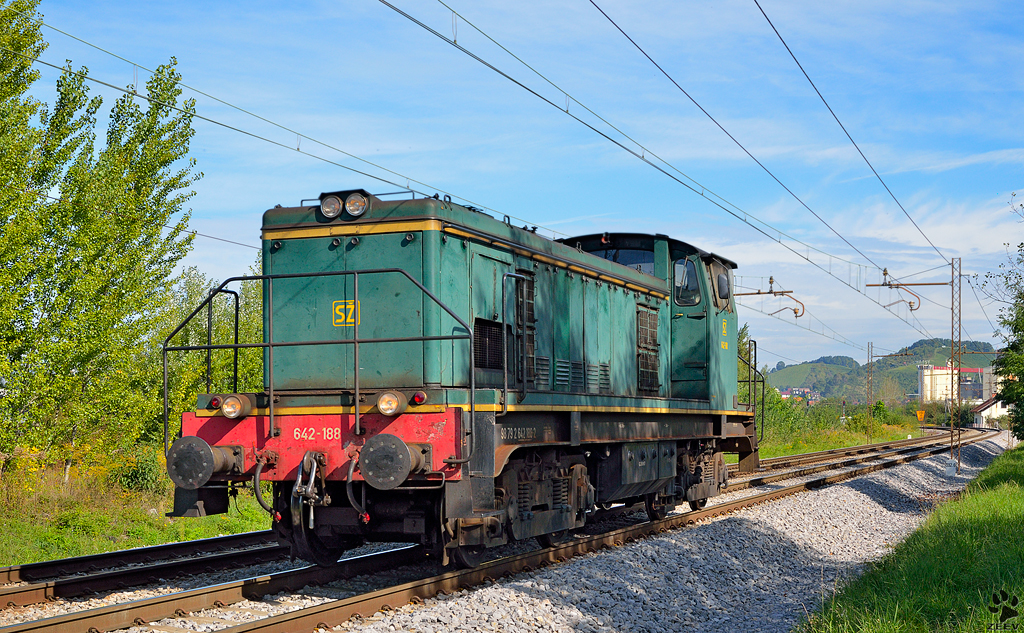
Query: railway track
(140,555)
(141,613)
(788,461)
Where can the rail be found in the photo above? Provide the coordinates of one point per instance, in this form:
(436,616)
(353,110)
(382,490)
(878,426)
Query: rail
(269,344)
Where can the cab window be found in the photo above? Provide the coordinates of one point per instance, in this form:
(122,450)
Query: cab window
(721,281)
(639,260)
(687,288)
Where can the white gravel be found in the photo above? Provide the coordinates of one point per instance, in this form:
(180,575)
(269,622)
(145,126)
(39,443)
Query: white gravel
(759,569)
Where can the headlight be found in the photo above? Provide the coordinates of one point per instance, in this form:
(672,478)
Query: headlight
(391,403)
(356,204)
(330,206)
(235,406)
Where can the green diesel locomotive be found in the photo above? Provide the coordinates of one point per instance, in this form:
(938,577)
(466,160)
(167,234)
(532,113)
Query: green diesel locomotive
(438,376)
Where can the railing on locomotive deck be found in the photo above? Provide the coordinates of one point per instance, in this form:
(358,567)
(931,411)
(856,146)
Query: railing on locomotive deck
(753,379)
(355,341)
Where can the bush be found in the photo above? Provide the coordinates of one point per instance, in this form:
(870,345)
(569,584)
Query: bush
(142,471)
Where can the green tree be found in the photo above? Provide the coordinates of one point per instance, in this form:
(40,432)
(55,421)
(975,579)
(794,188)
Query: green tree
(1007,286)
(91,237)
(19,226)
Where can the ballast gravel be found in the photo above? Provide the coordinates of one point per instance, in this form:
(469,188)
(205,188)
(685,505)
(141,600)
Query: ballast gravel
(758,569)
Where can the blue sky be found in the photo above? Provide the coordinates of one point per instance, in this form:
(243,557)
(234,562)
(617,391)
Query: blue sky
(932,92)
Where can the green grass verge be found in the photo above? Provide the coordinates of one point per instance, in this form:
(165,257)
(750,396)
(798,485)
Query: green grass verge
(943,577)
(812,441)
(50,520)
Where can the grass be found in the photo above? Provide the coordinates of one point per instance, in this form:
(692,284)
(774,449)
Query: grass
(811,441)
(43,518)
(943,577)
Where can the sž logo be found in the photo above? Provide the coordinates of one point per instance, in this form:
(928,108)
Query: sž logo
(1005,606)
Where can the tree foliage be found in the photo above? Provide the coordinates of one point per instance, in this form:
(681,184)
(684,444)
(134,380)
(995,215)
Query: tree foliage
(1007,285)
(91,231)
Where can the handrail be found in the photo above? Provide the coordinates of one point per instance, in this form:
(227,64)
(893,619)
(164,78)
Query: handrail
(355,341)
(754,378)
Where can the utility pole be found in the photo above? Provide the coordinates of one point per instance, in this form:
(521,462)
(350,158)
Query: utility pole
(956,359)
(956,336)
(871,356)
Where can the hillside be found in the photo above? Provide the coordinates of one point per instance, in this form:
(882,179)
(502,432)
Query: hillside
(844,377)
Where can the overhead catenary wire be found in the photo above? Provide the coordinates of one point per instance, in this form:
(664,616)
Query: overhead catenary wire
(921,272)
(299,135)
(731,137)
(173,228)
(777,355)
(207,119)
(835,333)
(834,116)
(981,305)
(835,336)
(645,155)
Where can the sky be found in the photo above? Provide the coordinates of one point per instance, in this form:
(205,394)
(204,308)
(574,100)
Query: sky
(932,93)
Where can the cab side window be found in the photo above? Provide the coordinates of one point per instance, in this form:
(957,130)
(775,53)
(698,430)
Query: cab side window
(687,288)
(721,279)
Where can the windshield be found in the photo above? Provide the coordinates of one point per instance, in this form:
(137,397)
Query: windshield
(639,260)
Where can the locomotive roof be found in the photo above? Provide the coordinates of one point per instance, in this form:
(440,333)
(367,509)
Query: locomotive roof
(308,221)
(640,241)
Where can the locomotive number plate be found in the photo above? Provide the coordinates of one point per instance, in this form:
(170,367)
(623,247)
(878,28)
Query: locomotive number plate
(346,313)
(311,433)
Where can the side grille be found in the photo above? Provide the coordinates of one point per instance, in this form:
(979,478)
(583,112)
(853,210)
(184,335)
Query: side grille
(530,341)
(543,372)
(487,344)
(647,349)
(563,369)
(525,295)
(577,376)
(647,371)
(593,378)
(526,329)
(605,378)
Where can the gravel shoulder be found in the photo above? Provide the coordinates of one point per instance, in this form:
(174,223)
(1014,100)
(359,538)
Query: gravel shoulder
(759,569)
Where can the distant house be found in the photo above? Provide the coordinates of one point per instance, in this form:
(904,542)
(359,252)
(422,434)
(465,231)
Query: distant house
(985,412)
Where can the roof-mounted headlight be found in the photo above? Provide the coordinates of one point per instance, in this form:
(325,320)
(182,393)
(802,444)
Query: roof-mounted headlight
(391,403)
(236,406)
(330,206)
(356,204)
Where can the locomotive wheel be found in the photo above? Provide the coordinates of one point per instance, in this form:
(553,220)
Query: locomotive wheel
(656,509)
(308,545)
(468,557)
(553,539)
(698,505)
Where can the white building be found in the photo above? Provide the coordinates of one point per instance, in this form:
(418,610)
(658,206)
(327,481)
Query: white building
(976,384)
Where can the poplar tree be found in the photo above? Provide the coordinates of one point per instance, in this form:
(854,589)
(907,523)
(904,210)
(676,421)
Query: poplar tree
(90,237)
